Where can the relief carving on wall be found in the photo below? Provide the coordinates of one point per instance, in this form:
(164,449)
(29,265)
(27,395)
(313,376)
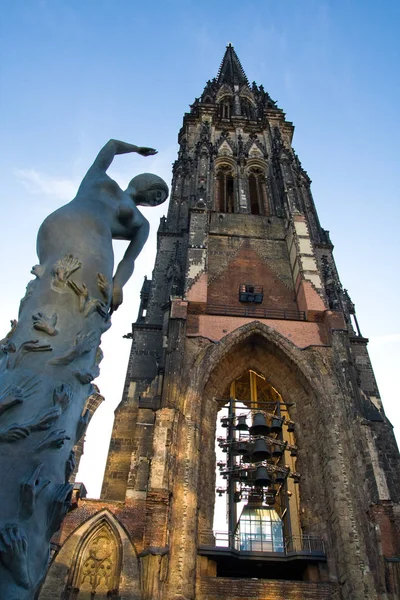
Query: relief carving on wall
(97,571)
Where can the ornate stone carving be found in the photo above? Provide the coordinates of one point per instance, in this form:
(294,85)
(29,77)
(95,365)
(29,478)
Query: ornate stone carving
(98,572)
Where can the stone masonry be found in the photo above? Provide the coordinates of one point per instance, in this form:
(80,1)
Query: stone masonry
(241,213)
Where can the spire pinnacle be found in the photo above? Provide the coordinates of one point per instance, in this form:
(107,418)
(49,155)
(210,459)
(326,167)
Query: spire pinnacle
(231,71)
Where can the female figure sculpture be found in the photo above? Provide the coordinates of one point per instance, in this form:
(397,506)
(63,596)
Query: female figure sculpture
(104,212)
(50,357)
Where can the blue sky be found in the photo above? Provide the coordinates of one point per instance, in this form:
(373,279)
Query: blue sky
(76,73)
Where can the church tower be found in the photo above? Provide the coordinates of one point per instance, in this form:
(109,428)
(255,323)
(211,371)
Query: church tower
(250,455)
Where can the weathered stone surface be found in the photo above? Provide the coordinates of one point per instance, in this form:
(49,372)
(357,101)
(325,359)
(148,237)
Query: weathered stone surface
(162,459)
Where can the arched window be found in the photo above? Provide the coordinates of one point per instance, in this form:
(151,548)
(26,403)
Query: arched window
(256,455)
(225,190)
(225,108)
(247,108)
(257,193)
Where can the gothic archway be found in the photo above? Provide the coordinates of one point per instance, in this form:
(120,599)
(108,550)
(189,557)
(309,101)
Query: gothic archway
(96,561)
(97,565)
(295,373)
(225,189)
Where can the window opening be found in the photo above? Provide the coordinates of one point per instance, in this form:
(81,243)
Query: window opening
(225,109)
(256,192)
(251,293)
(254,199)
(256,453)
(225,190)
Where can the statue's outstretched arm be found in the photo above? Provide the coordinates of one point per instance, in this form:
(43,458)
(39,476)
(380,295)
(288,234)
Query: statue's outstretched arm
(113,147)
(127,264)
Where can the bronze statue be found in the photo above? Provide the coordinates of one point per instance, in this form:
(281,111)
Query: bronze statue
(50,357)
(102,208)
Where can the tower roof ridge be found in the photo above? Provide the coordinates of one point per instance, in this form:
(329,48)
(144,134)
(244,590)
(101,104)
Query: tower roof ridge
(231,70)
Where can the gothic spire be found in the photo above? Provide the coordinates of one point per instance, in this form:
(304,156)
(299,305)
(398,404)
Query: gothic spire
(231,71)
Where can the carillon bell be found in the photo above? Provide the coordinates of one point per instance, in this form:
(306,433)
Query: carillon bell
(259,425)
(241,423)
(242,448)
(225,421)
(261,451)
(262,478)
(276,424)
(290,426)
(279,477)
(247,456)
(244,476)
(277,450)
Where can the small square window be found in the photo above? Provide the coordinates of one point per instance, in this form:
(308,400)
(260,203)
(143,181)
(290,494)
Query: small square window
(249,292)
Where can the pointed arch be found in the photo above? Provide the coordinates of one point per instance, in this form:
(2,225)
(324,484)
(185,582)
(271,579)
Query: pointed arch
(260,335)
(224,90)
(224,193)
(96,565)
(226,107)
(225,150)
(98,556)
(295,373)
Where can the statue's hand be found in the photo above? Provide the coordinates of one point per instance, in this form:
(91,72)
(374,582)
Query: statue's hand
(146,151)
(116,297)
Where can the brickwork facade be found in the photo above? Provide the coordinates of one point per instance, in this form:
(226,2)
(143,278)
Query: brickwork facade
(241,218)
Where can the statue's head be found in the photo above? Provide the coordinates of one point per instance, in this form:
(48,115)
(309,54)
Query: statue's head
(148,189)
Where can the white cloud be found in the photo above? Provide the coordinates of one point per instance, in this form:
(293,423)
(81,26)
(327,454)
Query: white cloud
(36,182)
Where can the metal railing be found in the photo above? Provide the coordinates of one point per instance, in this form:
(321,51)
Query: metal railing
(305,544)
(251,310)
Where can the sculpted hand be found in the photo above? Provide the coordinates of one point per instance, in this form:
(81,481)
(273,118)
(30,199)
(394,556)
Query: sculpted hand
(116,297)
(31,490)
(59,507)
(146,151)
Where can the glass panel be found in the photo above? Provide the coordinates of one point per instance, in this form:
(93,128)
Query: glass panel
(260,530)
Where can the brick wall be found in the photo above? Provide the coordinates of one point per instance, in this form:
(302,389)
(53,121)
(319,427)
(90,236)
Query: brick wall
(131,516)
(213,588)
(247,266)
